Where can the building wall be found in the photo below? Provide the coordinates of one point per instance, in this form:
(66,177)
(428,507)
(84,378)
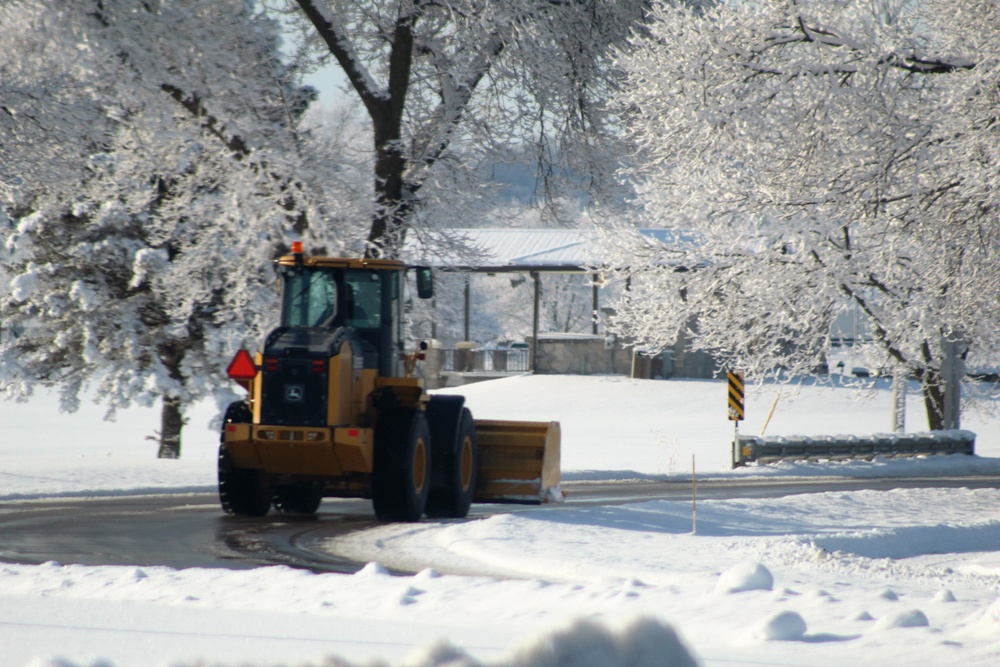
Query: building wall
(583,354)
(689,363)
(580,354)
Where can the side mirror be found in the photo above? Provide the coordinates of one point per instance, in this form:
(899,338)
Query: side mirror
(425,282)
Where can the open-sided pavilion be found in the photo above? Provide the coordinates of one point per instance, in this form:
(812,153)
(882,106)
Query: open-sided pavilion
(533,251)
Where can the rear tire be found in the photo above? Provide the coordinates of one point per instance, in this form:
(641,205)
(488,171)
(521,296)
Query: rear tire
(455,464)
(299,497)
(401,468)
(242,491)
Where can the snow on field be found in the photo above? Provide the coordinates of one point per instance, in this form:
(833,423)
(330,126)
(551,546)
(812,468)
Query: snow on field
(902,577)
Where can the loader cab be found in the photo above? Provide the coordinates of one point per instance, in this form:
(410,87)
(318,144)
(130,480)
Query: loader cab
(364,296)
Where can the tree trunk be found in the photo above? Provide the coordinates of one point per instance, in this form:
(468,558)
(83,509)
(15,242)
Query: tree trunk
(388,229)
(933,386)
(172,413)
(171,423)
(385,109)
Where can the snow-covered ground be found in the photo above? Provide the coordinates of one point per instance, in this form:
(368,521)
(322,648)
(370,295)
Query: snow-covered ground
(890,578)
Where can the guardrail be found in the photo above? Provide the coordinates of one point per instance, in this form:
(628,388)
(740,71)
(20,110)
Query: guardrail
(755,449)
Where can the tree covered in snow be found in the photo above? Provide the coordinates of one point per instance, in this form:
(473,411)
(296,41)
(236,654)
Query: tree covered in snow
(825,156)
(972,122)
(450,86)
(151,165)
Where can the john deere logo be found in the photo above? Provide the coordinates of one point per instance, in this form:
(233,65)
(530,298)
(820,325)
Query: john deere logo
(294,393)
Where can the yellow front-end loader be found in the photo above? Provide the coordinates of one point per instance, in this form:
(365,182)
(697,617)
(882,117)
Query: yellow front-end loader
(334,410)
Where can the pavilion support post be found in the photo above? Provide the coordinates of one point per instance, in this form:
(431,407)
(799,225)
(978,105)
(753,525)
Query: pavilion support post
(434,323)
(596,312)
(534,321)
(468,299)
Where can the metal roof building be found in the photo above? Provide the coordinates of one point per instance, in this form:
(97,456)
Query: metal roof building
(491,250)
(532,251)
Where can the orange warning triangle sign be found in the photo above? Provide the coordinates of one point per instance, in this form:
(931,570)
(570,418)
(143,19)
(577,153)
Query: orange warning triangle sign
(242,367)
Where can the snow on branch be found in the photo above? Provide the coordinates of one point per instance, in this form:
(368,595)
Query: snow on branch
(337,39)
(805,31)
(193,103)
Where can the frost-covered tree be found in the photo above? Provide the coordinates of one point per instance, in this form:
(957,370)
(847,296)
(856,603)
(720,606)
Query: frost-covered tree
(150,167)
(828,155)
(972,121)
(450,85)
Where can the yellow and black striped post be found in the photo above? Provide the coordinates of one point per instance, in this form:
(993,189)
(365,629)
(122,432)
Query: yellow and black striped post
(736,412)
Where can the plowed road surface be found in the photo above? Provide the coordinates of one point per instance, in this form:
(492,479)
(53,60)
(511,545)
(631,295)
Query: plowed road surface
(182,531)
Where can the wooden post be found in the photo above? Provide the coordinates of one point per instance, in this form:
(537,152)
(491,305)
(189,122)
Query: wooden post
(770,414)
(694,500)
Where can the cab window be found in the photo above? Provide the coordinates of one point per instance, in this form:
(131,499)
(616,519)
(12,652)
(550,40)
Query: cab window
(363,299)
(309,297)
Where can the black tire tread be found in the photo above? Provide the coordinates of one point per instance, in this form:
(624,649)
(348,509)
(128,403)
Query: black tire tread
(298,498)
(242,492)
(393,494)
(447,499)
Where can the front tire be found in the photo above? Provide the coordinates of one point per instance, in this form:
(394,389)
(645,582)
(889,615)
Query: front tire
(299,497)
(455,463)
(402,465)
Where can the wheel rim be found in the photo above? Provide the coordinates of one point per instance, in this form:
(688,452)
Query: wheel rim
(419,465)
(465,463)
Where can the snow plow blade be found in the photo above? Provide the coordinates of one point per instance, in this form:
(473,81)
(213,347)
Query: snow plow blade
(518,462)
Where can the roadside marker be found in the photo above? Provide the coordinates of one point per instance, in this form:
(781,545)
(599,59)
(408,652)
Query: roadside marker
(736,412)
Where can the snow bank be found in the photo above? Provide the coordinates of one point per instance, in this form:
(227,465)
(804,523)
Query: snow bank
(783,626)
(905,618)
(643,642)
(987,624)
(747,576)
(612,428)
(618,427)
